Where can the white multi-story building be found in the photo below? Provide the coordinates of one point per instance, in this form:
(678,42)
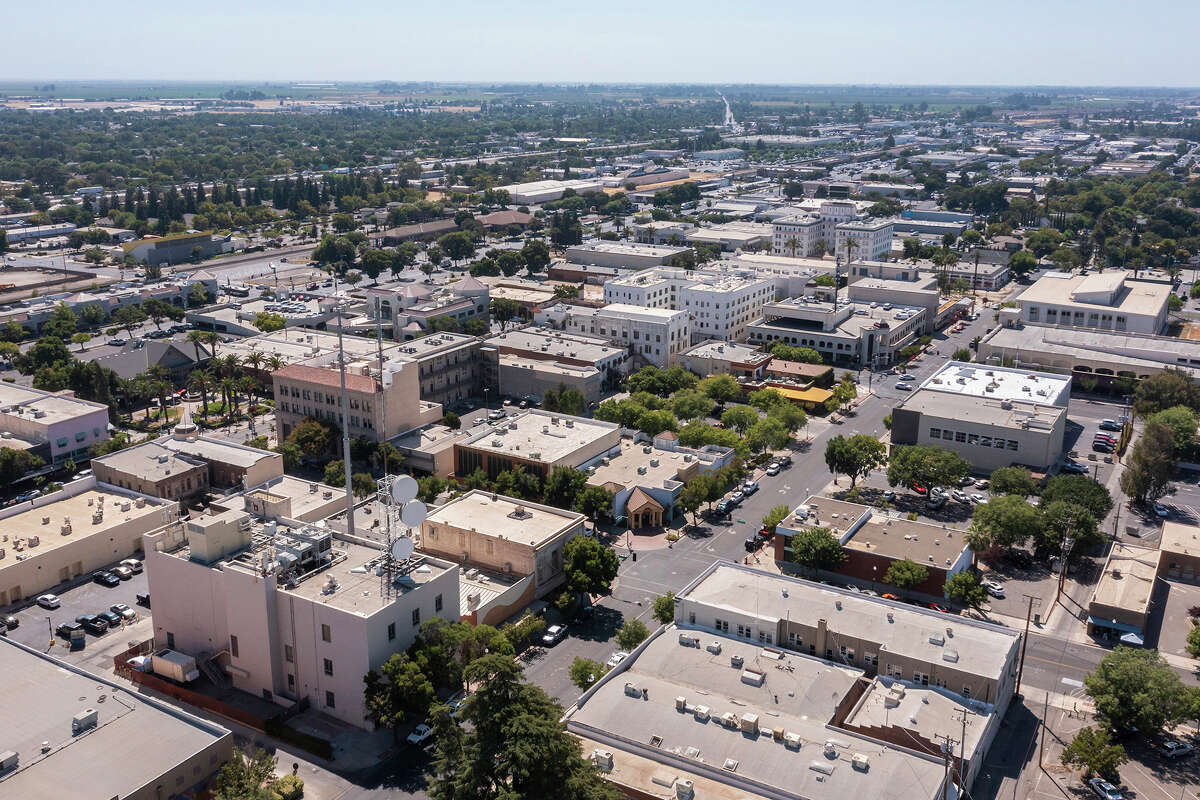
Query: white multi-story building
(808,234)
(1111,301)
(54,424)
(720,304)
(657,335)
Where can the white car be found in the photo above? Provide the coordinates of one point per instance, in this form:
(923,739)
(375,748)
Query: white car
(616,658)
(994,589)
(1173,748)
(978,498)
(773,468)
(48,601)
(961,496)
(421,733)
(1104,789)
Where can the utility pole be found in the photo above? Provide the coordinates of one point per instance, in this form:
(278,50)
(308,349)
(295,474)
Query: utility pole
(345,428)
(1045,712)
(947,746)
(975,280)
(1025,640)
(962,752)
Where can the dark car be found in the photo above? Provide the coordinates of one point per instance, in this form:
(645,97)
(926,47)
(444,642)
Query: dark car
(67,628)
(724,507)
(785,459)
(32,494)
(93,624)
(11,622)
(106,578)
(143,599)
(112,618)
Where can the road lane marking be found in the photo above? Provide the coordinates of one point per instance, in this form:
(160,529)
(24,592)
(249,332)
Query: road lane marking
(1072,682)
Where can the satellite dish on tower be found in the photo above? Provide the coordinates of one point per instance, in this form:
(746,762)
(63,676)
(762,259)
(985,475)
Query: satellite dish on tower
(402,548)
(404,488)
(413,514)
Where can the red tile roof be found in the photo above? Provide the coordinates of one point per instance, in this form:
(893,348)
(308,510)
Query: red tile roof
(327,376)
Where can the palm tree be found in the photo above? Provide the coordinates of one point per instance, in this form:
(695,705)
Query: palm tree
(792,244)
(203,337)
(851,246)
(229,395)
(274,363)
(201,382)
(246,385)
(254,360)
(160,376)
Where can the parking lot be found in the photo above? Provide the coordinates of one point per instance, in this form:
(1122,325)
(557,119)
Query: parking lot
(85,597)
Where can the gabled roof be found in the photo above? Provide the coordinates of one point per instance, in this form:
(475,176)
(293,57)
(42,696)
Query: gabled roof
(640,501)
(470,284)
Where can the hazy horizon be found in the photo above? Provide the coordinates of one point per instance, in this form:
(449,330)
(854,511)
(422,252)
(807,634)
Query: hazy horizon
(1100,44)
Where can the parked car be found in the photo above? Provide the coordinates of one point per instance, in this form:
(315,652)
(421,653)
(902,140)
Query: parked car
(1173,748)
(24,497)
(941,608)
(919,489)
(616,658)
(982,483)
(420,734)
(736,498)
(907,377)
(773,468)
(67,628)
(497,414)
(966,481)
(889,596)
(1104,437)
(904,387)
(1075,468)
(123,611)
(1161,511)
(1110,425)
(92,624)
(936,502)
(554,634)
(10,622)
(111,617)
(116,342)
(106,578)
(123,572)
(961,496)
(724,507)
(1104,789)
(143,599)
(978,498)
(48,601)
(1102,447)
(889,495)
(134,565)
(785,460)
(994,588)
(749,488)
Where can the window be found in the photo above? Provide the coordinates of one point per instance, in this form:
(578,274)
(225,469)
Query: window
(291,682)
(326,636)
(391,631)
(233,645)
(328,666)
(744,631)
(764,637)
(170,641)
(289,655)
(719,624)
(870,659)
(79,437)
(1012,444)
(960,436)
(416,617)
(795,641)
(437,603)
(966,691)
(935,433)
(329,700)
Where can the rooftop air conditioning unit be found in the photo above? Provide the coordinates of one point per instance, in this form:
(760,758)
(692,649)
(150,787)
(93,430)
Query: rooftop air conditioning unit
(84,720)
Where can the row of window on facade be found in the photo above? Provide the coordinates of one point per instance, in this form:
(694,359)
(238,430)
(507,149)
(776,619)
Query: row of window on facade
(323,397)
(1094,318)
(994,442)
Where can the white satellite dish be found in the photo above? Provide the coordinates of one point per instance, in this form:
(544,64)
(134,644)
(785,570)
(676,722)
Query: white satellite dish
(404,488)
(413,514)
(402,548)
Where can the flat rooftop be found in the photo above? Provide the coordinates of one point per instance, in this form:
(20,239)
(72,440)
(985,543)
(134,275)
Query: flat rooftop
(1000,383)
(505,517)
(43,408)
(982,648)
(799,694)
(304,499)
(150,461)
(728,351)
(625,249)
(923,711)
(1128,579)
(218,450)
(1116,290)
(638,313)
(1019,413)
(135,740)
(428,346)
(622,469)
(1139,353)
(358,590)
(25,519)
(298,344)
(543,342)
(1181,539)
(541,436)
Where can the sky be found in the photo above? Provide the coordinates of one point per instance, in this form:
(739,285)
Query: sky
(913,42)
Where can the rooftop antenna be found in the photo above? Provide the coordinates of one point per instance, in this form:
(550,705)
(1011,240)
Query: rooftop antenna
(398,494)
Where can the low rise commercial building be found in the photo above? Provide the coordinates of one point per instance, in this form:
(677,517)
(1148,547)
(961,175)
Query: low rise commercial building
(536,440)
(991,416)
(67,425)
(490,534)
(535,192)
(290,613)
(654,336)
(72,734)
(920,292)
(863,238)
(177,248)
(780,370)
(528,362)
(416,232)
(847,333)
(448,365)
(731,236)
(872,542)
(83,527)
(622,254)
(717,357)
(1120,604)
(759,669)
(1113,301)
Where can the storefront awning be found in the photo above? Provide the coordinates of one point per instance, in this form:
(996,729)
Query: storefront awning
(1114,625)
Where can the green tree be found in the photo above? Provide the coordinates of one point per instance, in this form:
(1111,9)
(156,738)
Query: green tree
(962,354)
(1149,468)
(594,502)
(1006,521)
(631,634)
(457,246)
(62,322)
(966,588)
(507,742)
(739,418)
(1062,519)
(1013,480)
(691,403)
(563,486)
(16,464)
(664,608)
(363,485)
(767,434)
(765,399)
(653,423)
(572,401)
(1165,390)
(1181,422)
(129,317)
(81,339)
(429,488)
(817,548)
(1193,642)
(504,310)
(585,672)
(775,516)
(247,777)
(335,473)
(1081,490)
(1022,263)
(906,574)
(694,494)
(536,255)
(267,322)
(930,467)
(1092,751)
(314,438)
(397,691)
(721,388)
(590,566)
(451,420)
(1136,688)
(855,456)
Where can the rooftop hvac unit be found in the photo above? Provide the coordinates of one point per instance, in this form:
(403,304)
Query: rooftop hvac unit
(126,505)
(700,713)
(34,541)
(681,703)
(84,720)
(327,494)
(632,690)
(791,740)
(729,719)
(312,488)
(8,761)
(603,759)
(860,761)
(684,789)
